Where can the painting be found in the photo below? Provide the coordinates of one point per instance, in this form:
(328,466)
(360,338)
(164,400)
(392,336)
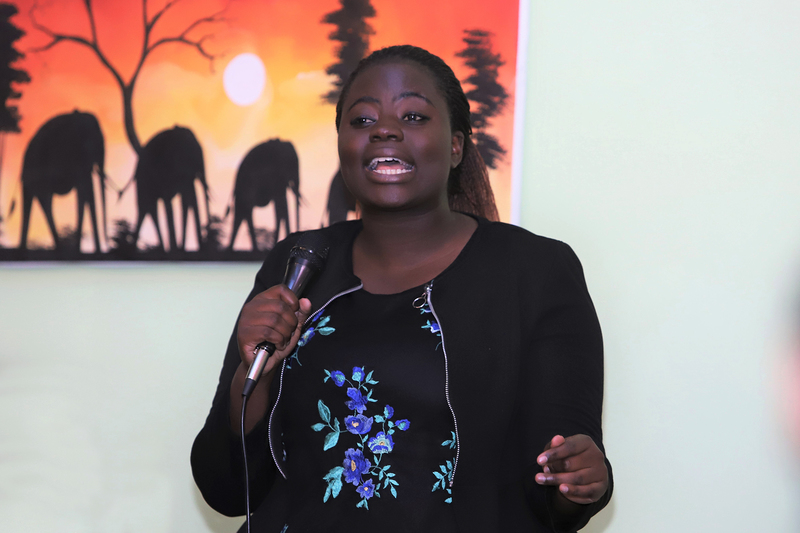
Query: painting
(204,130)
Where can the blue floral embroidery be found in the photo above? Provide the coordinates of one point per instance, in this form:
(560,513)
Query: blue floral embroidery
(319,324)
(367,475)
(358,424)
(381,443)
(367,490)
(357,400)
(433,326)
(355,464)
(445,471)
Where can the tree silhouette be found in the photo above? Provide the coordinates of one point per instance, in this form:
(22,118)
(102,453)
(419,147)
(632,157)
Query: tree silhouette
(147,48)
(353,32)
(9,115)
(488,96)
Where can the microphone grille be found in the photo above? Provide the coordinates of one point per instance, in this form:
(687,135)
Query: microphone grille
(311,247)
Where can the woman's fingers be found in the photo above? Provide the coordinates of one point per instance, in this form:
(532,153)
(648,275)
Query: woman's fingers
(270,316)
(584,486)
(576,466)
(559,449)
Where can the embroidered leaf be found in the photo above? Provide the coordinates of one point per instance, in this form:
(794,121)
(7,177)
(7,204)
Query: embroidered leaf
(369,375)
(391,424)
(390,474)
(330,440)
(443,469)
(336,487)
(438,475)
(449,500)
(390,432)
(394,492)
(363,503)
(324,412)
(373,382)
(325,331)
(336,424)
(334,474)
(327,494)
(379,419)
(324,321)
(449,466)
(386,483)
(318,427)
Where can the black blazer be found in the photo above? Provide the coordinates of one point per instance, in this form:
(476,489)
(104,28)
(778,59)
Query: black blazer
(525,363)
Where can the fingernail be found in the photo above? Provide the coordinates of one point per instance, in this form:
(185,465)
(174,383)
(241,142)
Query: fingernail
(542,459)
(564,489)
(540,478)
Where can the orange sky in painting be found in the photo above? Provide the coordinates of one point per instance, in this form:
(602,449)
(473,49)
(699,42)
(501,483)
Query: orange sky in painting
(176,86)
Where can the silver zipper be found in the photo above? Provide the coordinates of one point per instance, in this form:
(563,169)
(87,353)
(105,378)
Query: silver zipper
(427,296)
(280,381)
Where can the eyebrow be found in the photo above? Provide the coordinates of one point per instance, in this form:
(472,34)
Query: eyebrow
(373,100)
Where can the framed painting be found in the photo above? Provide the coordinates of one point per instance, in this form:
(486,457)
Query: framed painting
(204,130)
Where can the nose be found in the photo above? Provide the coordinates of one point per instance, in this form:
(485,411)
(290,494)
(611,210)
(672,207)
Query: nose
(386,129)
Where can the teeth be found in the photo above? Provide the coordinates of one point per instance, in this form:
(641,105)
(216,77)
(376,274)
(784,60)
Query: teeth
(392,171)
(373,165)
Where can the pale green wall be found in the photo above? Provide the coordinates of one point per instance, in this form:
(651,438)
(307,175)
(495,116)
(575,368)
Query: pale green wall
(661,143)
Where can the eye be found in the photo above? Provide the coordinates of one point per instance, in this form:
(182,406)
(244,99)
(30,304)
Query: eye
(415,117)
(361,120)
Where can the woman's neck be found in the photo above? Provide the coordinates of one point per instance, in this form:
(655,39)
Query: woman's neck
(398,251)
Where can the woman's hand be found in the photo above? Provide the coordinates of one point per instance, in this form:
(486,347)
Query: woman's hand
(576,466)
(276,316)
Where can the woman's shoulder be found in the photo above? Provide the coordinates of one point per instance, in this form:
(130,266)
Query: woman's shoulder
(508,239)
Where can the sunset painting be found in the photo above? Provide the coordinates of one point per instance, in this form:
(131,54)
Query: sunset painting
(203,130)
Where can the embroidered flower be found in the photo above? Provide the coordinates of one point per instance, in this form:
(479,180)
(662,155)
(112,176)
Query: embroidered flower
(357,400)
(433,326)
(355,464)
(338,378)
(358,424)
(388,412)
(366,490)
(381,443)
(306,336)
(358,373)
(402,425)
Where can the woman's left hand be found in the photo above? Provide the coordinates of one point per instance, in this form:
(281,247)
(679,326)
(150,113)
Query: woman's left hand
(576,466)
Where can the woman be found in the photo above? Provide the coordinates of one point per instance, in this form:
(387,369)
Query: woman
(444,372)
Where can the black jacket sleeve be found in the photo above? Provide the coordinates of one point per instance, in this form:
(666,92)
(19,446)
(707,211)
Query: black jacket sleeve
(564,370)
(217,462)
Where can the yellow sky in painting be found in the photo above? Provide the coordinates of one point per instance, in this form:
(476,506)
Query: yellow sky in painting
(177,86)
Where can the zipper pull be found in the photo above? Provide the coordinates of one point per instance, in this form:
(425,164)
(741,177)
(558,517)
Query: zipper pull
(422,300)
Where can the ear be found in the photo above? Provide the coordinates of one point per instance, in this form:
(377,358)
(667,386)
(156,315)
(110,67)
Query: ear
(457,150)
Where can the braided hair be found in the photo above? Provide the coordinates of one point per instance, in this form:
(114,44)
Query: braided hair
(468,187)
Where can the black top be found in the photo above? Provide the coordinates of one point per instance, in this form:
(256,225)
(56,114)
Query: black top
(524,358)
(366,427)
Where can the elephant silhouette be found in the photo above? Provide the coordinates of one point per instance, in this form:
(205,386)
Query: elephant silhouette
(265,175)
(168,166)
(340,199)
(63,155)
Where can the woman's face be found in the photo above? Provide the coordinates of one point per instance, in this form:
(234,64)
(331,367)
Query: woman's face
(396,148)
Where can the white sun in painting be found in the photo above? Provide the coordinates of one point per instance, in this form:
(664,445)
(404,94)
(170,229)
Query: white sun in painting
(244,79)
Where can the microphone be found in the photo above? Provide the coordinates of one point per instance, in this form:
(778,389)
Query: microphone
(306,259)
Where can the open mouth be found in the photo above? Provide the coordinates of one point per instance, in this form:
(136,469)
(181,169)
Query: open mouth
(389,165)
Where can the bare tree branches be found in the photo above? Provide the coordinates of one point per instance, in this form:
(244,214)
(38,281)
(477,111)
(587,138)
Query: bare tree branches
(148,23)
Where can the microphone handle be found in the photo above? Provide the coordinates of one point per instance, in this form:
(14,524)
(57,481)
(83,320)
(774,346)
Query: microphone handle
(298,273)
